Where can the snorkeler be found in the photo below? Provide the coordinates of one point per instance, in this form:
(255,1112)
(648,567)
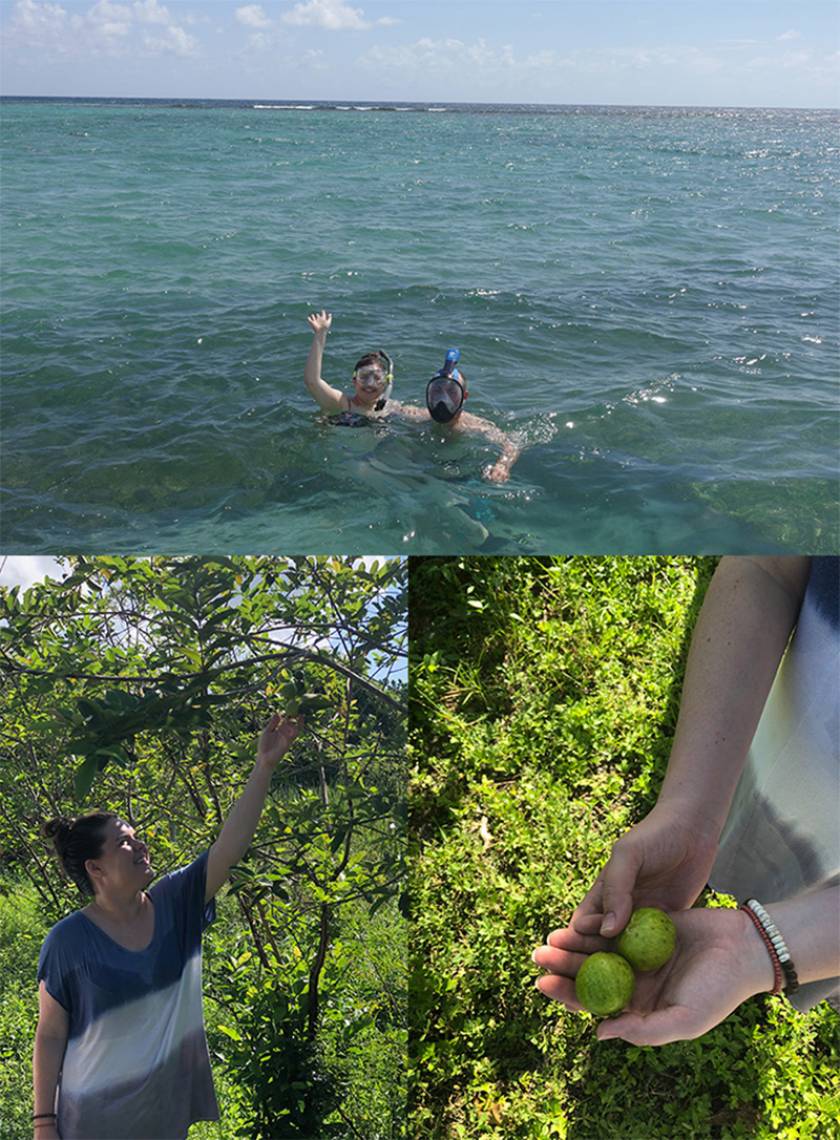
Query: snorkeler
(445,395)
(373,380)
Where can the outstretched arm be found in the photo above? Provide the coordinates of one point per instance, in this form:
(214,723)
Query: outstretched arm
(498,472)
(409,411)
(327,397)
(240,825)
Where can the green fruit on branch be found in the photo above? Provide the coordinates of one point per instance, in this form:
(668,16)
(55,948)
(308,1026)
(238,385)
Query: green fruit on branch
(604,983)
(648,939)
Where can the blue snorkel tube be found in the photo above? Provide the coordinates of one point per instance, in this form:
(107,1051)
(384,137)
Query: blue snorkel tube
(453,355)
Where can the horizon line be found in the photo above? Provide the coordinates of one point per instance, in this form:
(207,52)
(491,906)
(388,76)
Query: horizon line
(424,102)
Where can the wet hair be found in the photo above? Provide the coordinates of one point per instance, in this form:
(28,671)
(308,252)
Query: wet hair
(371,358)
(76,840)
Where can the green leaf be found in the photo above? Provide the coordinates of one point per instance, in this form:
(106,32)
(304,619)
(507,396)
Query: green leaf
(84,776)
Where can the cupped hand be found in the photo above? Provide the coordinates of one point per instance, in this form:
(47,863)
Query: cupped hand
(277,737)
(663,861)
(320,322)
(719,962)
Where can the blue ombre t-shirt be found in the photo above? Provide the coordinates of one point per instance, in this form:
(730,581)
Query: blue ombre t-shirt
(781,838)
(136,1065)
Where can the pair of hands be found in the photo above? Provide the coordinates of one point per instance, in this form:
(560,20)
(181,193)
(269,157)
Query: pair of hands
(719,960)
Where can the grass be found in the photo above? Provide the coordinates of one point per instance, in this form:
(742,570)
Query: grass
(544,697)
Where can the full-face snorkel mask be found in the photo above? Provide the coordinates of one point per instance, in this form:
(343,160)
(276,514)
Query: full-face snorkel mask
(445,392)
(388,366)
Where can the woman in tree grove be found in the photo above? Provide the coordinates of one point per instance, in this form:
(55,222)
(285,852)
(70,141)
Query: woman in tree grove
(120,1048)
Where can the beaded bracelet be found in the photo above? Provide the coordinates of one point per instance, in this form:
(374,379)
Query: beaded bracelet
(779,953)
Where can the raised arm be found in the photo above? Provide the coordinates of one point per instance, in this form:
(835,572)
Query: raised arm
(241,823)
(328,398)
(498,472)
(50,1044)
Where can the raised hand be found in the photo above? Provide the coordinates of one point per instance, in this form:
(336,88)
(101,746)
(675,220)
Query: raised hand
(663,861)
(276,738)
(320,322)
(719,962)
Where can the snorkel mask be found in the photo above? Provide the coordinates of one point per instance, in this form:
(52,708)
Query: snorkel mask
(388,367)
(445,393)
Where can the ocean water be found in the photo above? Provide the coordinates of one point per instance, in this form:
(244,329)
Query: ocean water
(648,298)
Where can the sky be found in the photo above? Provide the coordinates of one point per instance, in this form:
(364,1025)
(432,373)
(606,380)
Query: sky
(26,570)
(747,53)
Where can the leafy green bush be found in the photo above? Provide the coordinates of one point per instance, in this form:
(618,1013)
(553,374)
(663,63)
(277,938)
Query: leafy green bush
(544,694)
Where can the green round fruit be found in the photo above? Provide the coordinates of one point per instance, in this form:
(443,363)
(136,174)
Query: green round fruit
(648,939)
(604,983)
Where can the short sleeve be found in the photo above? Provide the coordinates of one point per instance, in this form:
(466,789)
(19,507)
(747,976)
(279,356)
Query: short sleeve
(184,890)
(53,970)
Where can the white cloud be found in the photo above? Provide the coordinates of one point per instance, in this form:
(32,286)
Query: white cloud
(252,16)
(25,570)
(789,35)
(105,28)
(38,22)
(334,16)
(150,12)
(484,62)
(500,71)
(174,40)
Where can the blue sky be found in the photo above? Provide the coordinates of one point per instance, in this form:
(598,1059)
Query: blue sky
(681,52)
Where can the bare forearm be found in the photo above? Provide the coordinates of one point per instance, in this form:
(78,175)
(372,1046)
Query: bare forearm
(46,1065)
(747,616)
(810,926)
(510,453)
(242,820)
(312,369)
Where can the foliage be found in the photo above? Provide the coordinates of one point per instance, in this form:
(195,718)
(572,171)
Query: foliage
(139,685)
(543,699)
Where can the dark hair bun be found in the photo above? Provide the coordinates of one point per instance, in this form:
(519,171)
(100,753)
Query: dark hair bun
(58,830)
(76,841)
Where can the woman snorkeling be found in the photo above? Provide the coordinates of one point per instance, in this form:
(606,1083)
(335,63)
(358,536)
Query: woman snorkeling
(373,378)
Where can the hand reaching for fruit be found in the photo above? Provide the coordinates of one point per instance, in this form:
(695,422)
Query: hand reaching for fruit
(277,738)
(719,962)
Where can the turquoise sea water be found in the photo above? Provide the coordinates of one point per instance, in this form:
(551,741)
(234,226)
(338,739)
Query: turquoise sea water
(649,297)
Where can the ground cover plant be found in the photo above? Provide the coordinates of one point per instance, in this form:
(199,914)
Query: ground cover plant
(543,698)
(139,686)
